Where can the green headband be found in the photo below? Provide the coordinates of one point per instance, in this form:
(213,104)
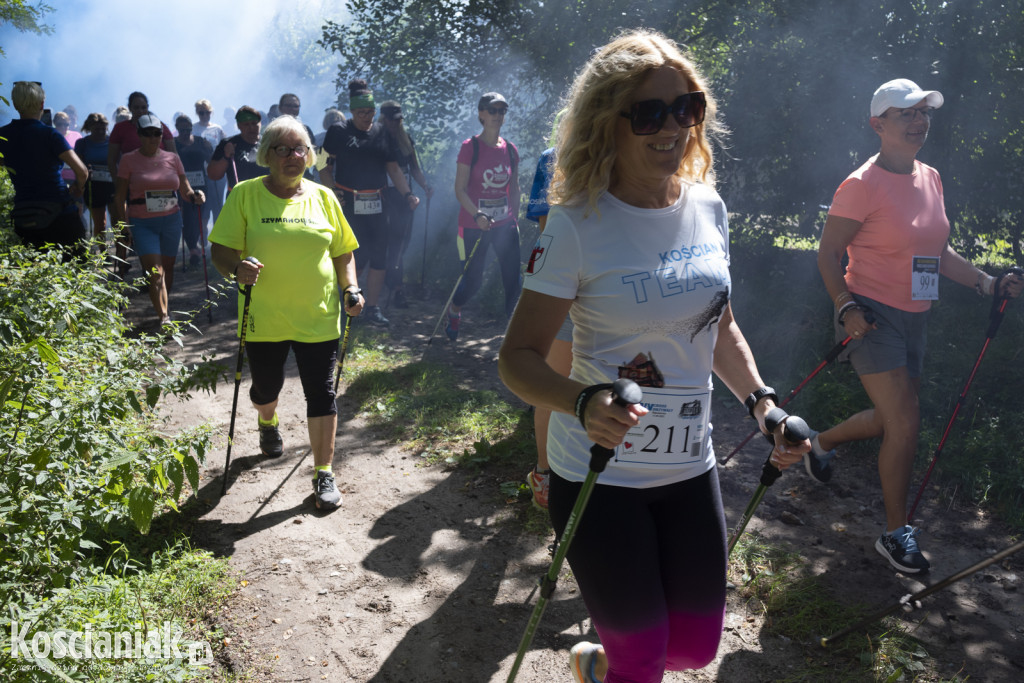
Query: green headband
(364,101)
(246,117)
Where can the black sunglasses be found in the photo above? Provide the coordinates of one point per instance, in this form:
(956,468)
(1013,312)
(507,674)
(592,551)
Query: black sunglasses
(496,111)
(150,133)
(649,116)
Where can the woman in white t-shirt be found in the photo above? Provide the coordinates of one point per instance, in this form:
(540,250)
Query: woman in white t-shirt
(636,251)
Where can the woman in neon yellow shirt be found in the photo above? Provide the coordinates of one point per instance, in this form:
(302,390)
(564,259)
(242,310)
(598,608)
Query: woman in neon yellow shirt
(303,245)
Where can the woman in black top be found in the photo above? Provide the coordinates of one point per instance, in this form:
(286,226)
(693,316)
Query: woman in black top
(44,212)
(361,157)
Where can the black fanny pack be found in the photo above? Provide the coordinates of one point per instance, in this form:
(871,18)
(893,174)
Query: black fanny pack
(35,216)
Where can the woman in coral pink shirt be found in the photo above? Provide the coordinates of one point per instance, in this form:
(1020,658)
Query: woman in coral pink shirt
(149,182)
(889,217)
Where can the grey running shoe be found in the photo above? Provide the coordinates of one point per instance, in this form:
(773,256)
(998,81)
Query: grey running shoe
(327,495)
(271,442)
(375,316)
(819,466)
(900,548)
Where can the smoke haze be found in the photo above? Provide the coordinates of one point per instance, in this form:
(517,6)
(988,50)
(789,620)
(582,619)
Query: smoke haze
(230,53)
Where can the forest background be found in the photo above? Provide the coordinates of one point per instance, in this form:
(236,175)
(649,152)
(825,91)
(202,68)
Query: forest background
(793,80)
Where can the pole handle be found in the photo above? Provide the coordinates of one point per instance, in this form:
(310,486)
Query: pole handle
(795,430)
(625,392)
(248,288)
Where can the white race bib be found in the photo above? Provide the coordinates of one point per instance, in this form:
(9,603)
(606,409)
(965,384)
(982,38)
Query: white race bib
(367,203)
(496,209)
(924,278)
(161,200)
(100,174)
(673,432)
(197,179)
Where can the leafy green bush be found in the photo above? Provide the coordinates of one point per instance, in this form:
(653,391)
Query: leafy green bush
(175,589)
(79,446)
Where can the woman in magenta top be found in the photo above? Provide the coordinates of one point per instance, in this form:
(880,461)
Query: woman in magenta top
(889,217)
(487,187)
(149,182)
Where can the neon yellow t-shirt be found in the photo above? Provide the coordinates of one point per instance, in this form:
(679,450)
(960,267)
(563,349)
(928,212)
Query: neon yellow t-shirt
(296,297)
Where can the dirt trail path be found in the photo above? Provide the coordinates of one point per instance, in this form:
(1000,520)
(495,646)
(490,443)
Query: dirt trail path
(427,574)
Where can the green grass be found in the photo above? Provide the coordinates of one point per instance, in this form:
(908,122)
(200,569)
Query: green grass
(422,406)
(774,583)
(179,585)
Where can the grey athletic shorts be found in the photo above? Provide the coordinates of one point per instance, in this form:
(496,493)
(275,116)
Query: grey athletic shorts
(898,342)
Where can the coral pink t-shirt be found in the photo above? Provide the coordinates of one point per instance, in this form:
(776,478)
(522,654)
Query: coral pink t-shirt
(901,216)
(150,179)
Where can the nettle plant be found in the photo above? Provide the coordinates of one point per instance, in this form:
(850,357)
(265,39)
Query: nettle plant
(81,451)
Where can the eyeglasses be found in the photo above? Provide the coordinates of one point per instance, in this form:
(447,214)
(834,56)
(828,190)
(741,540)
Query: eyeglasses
(649,116)
(910,113)
(150,133)
(497,111)
(285,151)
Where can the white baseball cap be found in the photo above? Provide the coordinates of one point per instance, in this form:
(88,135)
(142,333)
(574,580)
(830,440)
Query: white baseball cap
(901,94)
(148,121)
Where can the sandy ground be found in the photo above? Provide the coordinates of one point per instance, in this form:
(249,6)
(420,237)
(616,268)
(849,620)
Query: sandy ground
(428,574)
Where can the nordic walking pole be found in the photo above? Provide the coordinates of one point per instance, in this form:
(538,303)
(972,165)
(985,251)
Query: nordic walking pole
(829,357)
(624,392)
(247,292)
(184,260)
(451,296)
(426,227)
(206,272)
(795,430)
(350,300)
(999,302)
(910,602)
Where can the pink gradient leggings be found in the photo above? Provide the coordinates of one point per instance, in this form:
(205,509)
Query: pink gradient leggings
(650,564)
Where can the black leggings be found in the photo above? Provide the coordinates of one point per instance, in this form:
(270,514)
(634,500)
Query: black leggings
(650,564)
(372,232)
(505,241)
(316,372)
(399,217)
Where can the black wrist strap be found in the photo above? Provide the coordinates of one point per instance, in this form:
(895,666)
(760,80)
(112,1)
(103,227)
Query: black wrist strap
(584,398)
(763,392)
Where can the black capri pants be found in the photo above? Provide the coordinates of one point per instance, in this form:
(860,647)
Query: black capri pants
(370,229)
(316,363)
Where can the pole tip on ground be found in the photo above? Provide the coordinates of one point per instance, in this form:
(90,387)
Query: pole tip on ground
(824,642)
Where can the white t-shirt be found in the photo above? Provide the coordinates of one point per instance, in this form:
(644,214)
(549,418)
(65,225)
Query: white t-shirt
(211,132)
(649,286)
